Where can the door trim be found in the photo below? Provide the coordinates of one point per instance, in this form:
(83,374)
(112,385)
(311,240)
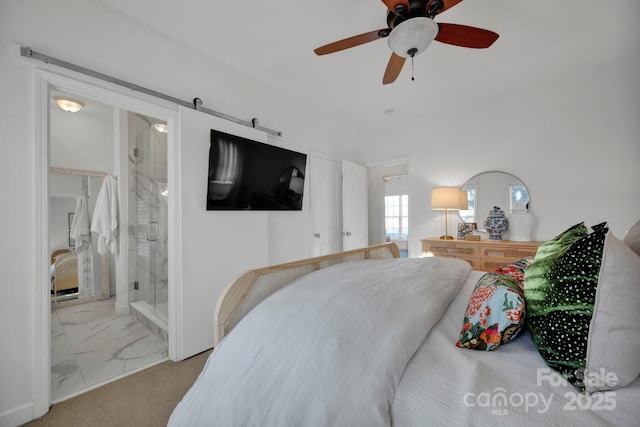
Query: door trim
(107,93)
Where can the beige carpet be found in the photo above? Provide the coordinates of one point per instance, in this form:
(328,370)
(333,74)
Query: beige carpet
(146,398)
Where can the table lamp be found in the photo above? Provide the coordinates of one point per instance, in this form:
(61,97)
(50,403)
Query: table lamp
(448,198)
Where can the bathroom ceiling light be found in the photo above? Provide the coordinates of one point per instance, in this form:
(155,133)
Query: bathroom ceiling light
(69,104)
(161,127)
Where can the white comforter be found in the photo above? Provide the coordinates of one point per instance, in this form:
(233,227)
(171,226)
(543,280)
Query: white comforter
(328,350)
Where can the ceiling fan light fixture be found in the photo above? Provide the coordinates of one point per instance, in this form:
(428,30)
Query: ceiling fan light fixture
(413,36)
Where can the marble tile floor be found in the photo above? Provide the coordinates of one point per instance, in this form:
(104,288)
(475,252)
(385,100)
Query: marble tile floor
(91,346)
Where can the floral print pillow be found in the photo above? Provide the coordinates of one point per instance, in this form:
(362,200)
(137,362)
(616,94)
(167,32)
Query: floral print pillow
(515,270)
(496,311)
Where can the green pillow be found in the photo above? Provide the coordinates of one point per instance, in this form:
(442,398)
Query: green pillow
(559,244)
(546,255)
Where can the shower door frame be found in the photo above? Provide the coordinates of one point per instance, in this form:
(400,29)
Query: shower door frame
(108,93)
(149,155)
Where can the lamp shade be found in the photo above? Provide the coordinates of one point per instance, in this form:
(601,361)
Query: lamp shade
(448,198)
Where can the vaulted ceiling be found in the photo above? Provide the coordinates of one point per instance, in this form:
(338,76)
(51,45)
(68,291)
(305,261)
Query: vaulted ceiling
(273,41)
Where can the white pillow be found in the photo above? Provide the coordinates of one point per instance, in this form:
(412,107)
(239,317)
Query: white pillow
(632,239)
(614,334)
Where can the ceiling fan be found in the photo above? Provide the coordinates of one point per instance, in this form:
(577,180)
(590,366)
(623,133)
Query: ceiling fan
(410,30)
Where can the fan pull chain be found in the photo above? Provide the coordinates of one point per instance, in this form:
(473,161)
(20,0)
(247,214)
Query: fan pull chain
(412,78)
(412,52)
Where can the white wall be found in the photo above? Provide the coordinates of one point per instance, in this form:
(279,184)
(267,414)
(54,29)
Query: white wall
(396,185)
(90,34)
(81,140)
(573,140)
(17,248)
(217,245)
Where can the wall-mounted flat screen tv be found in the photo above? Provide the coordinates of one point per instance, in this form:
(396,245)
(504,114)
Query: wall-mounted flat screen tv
(250,175)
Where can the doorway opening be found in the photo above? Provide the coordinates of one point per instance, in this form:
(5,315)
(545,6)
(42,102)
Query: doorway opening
(396,212)
(110,303)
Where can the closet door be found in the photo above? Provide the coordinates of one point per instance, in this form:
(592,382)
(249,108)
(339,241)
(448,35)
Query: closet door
(355,218)
(326,204)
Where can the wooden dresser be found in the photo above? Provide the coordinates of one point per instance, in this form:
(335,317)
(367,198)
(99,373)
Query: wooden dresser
(485,255)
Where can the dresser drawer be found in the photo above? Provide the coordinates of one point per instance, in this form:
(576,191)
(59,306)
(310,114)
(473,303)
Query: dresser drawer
(507,252)
(452,250)
(473,262)
(490,264)
(485,255)
(496,255)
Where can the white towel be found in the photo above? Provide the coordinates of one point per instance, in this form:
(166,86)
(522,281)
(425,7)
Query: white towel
(81,226)
(105,217)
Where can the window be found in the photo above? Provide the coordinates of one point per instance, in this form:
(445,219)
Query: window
(396,215)
(469,214)
(518,195)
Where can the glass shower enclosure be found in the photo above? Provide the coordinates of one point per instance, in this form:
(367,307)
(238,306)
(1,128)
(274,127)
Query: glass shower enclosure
(147,222)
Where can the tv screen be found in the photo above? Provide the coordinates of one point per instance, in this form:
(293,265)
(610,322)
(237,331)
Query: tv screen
(250,175)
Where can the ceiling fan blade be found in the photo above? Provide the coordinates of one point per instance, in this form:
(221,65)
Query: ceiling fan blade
(465,36)
(352,41)
(393,68)
(391,4)
(448,4)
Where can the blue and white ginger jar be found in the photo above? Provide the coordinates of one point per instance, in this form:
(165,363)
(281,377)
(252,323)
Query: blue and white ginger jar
(496,223)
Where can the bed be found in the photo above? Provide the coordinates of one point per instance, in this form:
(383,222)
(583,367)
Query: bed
(364,338)
(64,271)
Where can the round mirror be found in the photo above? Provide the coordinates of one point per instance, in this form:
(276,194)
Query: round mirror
(493,188)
